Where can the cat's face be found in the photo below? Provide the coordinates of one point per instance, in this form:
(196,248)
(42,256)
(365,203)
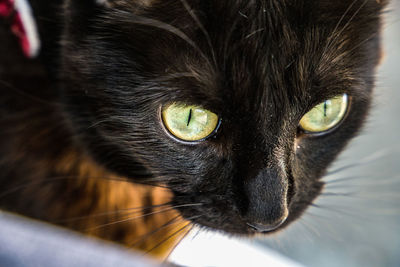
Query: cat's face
(259,66)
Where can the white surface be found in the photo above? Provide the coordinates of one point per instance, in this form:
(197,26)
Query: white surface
(213,249)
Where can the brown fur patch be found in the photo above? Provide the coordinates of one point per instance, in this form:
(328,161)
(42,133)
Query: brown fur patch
(46,175)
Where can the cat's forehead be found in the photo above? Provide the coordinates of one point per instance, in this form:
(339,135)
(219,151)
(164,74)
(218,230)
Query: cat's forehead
(243,52)
(252,48)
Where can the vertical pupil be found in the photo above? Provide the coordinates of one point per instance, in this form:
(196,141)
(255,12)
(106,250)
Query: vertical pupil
(325,107)
(190,116)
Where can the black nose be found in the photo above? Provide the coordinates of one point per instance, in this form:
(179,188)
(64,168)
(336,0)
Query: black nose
(263,228)
(267,197)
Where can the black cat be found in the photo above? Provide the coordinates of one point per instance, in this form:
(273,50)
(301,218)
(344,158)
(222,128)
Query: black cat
(237,107)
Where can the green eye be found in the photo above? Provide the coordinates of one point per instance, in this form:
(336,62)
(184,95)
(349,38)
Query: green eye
(326,115)
(189,122)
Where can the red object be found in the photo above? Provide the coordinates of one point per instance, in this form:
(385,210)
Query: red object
(23,26)
(18,29)
(6,7)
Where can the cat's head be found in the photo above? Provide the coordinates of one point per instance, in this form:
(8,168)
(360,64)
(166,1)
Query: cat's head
(215,98)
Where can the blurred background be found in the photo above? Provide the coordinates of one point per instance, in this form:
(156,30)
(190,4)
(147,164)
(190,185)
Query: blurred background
(356,222)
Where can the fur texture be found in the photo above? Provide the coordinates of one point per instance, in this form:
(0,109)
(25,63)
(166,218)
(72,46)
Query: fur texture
(111,65)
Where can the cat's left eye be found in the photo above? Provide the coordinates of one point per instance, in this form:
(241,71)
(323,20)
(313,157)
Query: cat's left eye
(189,122)
(326,115)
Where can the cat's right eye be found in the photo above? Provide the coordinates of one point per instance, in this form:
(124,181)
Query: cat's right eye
(189,122)
(326,115)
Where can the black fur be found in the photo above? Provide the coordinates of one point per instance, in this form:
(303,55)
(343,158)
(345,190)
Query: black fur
(259,65)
